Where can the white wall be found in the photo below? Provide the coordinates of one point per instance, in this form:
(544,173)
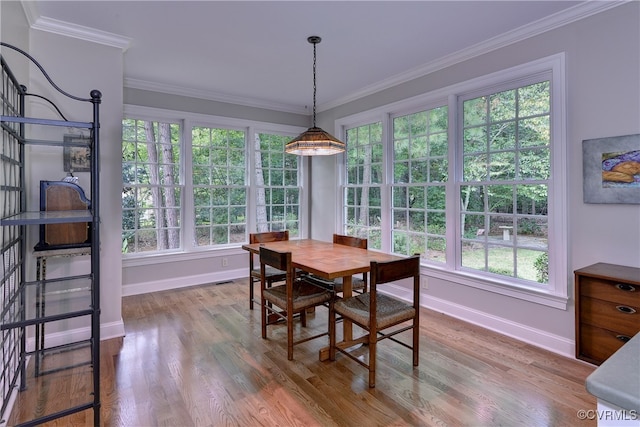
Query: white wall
(324,182)
(603,99)
(13,30)
(77,67)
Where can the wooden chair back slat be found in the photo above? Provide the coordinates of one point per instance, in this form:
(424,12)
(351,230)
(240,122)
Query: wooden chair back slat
(279,260)
(355,242)
(268,236)
(394,270)
(264,237)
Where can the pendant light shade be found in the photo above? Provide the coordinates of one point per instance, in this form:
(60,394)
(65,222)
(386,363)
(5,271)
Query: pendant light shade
(314,141)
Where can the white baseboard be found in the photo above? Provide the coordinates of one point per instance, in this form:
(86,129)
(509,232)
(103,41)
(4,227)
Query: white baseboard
(182,282)
(112,330)
(536,337)
(107,331)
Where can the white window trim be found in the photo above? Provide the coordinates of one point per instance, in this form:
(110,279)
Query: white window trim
(556,295)
(187,120)
(303,177)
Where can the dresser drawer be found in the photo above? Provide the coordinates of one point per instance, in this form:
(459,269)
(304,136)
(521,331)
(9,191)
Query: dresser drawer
(610,290)
(598,344)
(621,318)
(607,302)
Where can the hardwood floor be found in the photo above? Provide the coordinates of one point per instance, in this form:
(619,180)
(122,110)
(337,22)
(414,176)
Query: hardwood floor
(194,357)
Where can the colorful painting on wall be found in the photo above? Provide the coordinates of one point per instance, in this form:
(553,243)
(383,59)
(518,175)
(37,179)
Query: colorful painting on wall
(611,169)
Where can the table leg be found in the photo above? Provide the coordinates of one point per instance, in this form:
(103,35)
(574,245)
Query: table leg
(347,326)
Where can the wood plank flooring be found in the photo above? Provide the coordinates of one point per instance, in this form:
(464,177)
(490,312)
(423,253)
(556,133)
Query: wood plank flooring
(195,357)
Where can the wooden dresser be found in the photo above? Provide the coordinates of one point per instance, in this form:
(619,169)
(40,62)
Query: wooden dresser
(607,309)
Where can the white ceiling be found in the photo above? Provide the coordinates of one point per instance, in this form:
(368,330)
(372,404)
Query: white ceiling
(256,52)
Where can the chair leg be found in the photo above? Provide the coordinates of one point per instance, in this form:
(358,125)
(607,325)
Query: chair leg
(332,332)
(250,291)
(290,336)
(303,318)
(416,341)
(263,309)
(373,343)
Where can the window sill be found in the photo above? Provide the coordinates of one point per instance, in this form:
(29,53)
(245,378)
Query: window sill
(525,293)
(142,259)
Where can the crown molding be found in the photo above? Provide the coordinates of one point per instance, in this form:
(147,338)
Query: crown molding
(212,96)
(532,29)
(31,11)
(55,26)
(81,32)
(576,13)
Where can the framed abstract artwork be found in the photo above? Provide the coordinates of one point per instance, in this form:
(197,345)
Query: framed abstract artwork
(611,169)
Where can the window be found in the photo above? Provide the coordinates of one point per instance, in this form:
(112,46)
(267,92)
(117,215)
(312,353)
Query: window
(219,185)
(364,175)
(472,178)
(420,169)
(505,179)
(151,192)
(189,186)
(277,190)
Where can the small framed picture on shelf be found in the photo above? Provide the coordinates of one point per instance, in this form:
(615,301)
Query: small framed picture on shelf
(77,153)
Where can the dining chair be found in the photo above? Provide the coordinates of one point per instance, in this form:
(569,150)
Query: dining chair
(272,275)
(285,301)
(380,315)
(358,284)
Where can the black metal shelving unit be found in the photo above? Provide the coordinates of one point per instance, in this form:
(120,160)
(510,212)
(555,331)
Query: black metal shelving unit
(71,298)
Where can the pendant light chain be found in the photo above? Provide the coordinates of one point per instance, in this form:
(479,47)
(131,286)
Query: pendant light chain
(314,83)
(314,141)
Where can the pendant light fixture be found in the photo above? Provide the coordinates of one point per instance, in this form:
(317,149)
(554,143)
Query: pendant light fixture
(314,141)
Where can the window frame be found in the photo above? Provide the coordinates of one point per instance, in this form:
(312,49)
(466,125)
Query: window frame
(230,187)
(187,120)
(172,120)
(427,107)
(343,176)
(556,293)
(284,186)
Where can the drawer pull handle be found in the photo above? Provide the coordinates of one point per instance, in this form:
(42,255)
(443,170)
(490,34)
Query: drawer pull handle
(626,287)
(623,338)
(625,309)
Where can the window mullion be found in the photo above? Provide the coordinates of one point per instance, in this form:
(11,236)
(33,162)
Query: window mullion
(250,179)
(387,183)
(453,232)
(186,181)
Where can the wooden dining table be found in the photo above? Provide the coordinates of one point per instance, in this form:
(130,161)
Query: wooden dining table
(328,261)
